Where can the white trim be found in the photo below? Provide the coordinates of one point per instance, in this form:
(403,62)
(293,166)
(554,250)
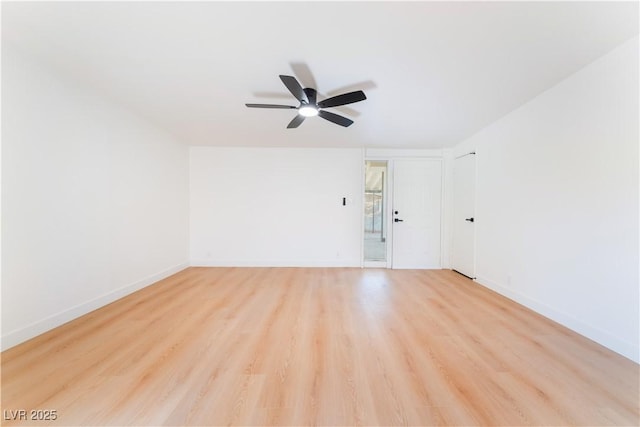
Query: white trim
(625,348)
(447,207)
(390,195)
(275,263)
(363,184)
(476,157)
(375,264)
(39,327)
(442,209)
(411,267)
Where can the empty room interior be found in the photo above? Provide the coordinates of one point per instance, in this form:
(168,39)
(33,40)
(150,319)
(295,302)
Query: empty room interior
(320,213)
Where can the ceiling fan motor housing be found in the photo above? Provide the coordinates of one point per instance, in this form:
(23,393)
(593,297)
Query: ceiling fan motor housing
(312,95)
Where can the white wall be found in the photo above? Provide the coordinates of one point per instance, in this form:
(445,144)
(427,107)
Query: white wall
(557,202)
(275,206)
(94,201)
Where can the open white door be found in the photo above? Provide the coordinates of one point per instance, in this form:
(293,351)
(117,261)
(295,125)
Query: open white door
(464,199)
(417,202)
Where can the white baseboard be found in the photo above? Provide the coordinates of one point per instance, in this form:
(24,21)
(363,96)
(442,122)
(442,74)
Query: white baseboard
(274,263)
(36,328)
(625,348)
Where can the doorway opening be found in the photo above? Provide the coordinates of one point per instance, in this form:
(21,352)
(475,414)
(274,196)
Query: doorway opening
(375,217)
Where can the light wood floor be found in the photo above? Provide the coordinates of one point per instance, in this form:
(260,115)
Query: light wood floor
(286,346)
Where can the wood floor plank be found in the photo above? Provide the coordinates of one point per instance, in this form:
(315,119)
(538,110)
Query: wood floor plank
(317,346)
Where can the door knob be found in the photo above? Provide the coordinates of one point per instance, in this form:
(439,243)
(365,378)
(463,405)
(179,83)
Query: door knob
(397,220)
(469,219)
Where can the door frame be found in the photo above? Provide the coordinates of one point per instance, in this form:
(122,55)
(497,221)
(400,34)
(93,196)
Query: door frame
(389,209)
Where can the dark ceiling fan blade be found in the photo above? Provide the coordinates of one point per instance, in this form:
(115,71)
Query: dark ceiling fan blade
(294,87)
(335,118)
(270,106)
(297,120)
(345,98)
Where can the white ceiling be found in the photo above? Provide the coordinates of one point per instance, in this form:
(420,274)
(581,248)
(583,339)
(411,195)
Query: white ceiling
(434,72)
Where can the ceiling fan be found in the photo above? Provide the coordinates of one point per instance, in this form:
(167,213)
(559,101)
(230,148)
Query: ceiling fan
(309,107)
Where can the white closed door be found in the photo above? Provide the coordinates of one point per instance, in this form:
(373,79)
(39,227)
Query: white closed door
(464,199)
(416,213)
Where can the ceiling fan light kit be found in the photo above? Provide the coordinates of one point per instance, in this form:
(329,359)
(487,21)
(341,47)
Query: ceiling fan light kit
(309,107)
(308,111)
